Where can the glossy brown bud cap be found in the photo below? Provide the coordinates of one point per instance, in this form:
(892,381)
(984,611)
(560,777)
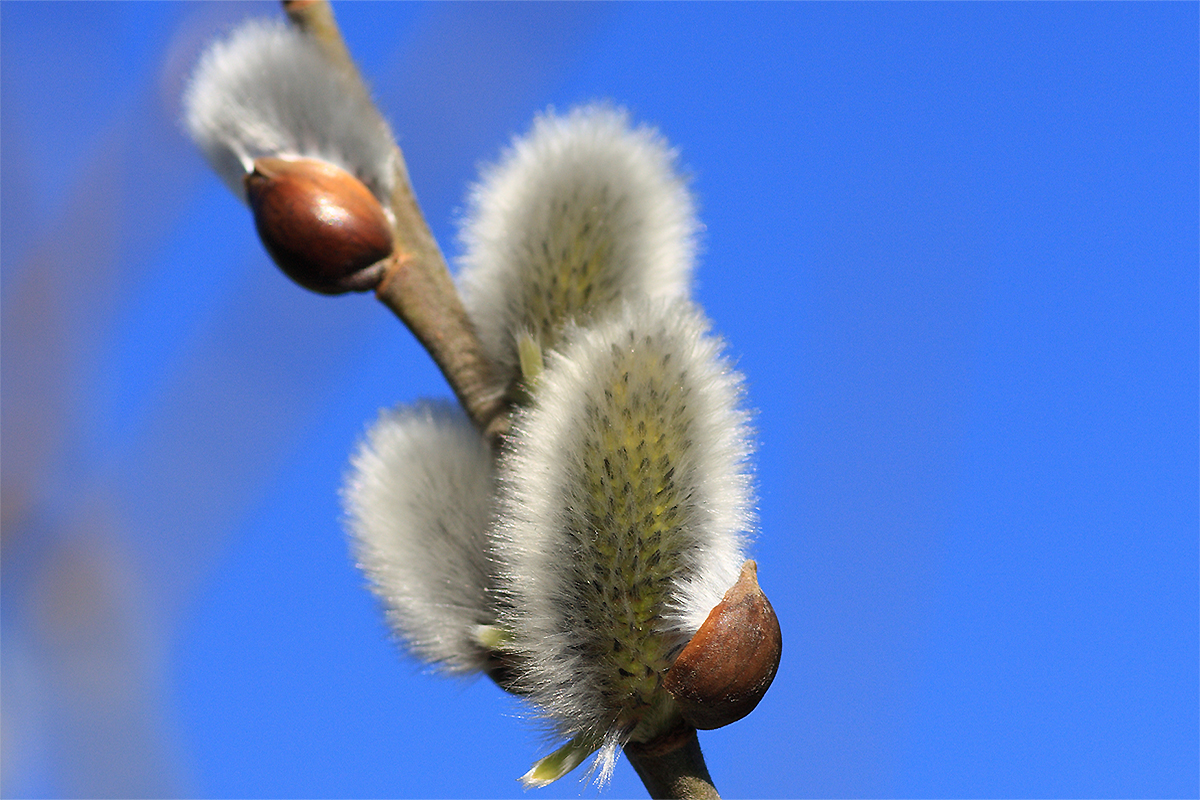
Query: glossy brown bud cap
(729,664)
(322,226)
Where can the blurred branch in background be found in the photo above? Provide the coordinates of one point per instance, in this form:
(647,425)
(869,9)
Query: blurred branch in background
(129,458)
(91,591)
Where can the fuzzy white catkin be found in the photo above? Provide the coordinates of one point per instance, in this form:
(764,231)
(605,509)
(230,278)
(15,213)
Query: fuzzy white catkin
(625,511)
(266,90)
(418,503)
(581,213)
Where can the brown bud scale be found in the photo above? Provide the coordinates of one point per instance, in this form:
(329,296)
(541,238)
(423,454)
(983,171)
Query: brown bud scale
(729,664)
(320,224)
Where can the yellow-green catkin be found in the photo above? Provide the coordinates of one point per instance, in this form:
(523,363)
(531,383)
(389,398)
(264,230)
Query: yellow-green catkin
(623,519)
(584,212)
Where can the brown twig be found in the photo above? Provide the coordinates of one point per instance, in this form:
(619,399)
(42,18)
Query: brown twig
(315,18)
(424,297)
(416,284)
(673,767)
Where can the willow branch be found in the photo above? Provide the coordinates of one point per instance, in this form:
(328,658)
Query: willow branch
(417,287)
(424,297)
(416,284)
(315,18)
(673,769)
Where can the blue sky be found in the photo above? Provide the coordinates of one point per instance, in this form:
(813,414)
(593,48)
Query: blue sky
(953,248)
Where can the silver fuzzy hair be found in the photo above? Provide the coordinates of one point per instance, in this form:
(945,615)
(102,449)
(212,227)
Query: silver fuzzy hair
(626,504)
(418,501)
(581,213)
(266,90)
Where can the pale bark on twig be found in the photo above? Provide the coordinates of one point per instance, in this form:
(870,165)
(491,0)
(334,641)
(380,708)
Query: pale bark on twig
(678,772)
(416,284)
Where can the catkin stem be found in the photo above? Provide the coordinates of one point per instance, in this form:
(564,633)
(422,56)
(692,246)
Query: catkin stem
(676,773)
